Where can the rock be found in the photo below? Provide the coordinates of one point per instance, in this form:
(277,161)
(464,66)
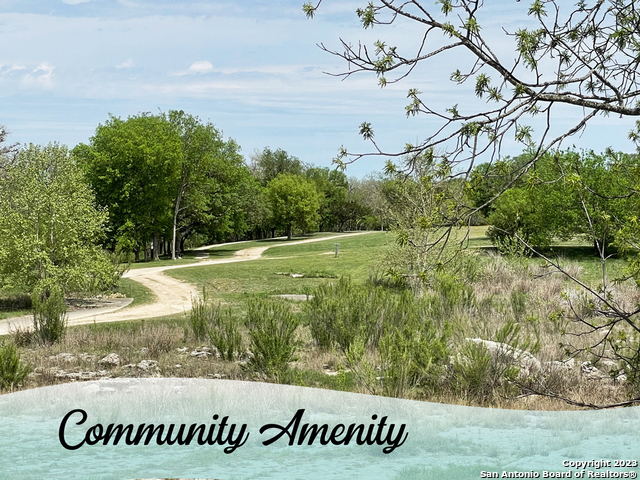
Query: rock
(181,349)
(113,360)
(501,351)
(591,372)
(66,357)
(199,354)
(561,366)
(86,357)
(297,275)
(177,365)
(148,365)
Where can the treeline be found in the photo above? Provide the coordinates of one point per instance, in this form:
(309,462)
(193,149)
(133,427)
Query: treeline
(153,185)
(170,180)
(566,195)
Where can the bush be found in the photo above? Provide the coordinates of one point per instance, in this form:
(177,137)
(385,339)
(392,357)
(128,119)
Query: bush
(49,315)
(484,376)
(272,328)
(15,302)
(411,353)
(12,370)
(341,313)
(201,315)
(225,336)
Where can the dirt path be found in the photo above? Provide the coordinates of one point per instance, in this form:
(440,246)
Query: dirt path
(172,296)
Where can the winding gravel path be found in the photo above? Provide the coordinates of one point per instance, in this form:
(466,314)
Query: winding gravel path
(172,296)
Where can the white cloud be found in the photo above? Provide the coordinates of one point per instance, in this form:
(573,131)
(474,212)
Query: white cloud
(42,75)
(75,2)
(129,63)
(6,69)
(202,66)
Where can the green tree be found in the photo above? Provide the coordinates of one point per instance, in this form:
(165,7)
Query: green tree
(134,166)
(565,56)
(211,173)
(294,203)
(333,187)
(50,226)
(268,164)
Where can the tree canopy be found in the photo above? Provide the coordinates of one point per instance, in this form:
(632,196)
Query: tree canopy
(294,202)
(50,226)
(164,176)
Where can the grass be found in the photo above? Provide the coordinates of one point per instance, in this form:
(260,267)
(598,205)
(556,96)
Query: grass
(225,251)
(234,282)
(141,295)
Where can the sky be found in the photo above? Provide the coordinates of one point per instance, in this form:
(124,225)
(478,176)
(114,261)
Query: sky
(253,68)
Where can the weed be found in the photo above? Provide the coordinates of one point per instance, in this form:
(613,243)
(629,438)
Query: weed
(201,315)
(225,336)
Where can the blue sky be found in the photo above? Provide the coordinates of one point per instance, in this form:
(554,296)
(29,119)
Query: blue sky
(251,67)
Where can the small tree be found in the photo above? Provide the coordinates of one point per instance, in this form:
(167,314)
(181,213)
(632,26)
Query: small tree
(294,203)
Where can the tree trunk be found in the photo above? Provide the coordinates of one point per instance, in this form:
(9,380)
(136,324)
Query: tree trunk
(289,232)
(155,247)
(175,225)
(181,244)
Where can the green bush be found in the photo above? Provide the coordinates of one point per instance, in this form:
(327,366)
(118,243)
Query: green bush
(12,370)
(49,315)
(201,316)
(409,358)
(484,376)
(341,313)
(272,328)
(225,335)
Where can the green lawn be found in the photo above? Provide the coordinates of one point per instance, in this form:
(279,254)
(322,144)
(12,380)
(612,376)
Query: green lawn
(189,256)
(232,282)
(141,295)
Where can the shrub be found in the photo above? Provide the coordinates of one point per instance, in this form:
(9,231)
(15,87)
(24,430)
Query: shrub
(410,357)
(341,313)
(225,336)
(482,375)
(272,328)
(49,315)
(201,315)
(12,370)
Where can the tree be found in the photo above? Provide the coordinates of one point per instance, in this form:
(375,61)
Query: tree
(207,164)
(134,166)
(294,202)
(268,164)
(6,150)
(333,187)
(165,176)
(580,56)
(50,226)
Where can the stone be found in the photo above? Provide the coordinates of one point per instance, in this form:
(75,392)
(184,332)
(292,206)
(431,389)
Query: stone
(199,354)
(113,360)
(148,365)
(525,360)
(66,357)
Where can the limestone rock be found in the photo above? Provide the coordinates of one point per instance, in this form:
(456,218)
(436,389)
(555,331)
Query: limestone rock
(113,360)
